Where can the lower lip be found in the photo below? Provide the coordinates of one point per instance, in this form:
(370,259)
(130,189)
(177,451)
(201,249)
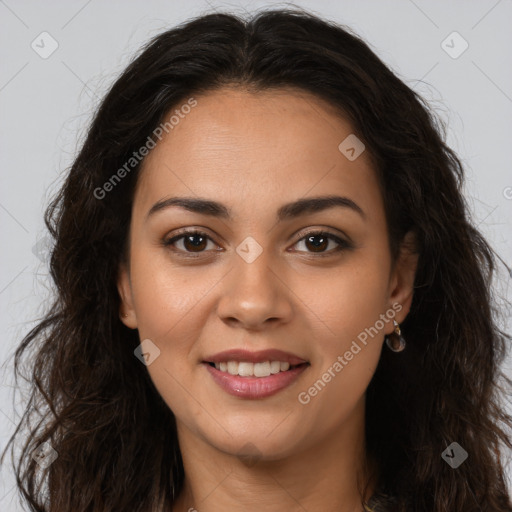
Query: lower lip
(255,387)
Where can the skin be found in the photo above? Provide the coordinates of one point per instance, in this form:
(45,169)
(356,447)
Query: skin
(253,153)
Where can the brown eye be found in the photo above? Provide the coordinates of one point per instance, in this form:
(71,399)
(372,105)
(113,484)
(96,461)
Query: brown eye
(192,241)
(318,242)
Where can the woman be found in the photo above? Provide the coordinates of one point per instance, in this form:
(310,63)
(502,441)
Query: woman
(269,292)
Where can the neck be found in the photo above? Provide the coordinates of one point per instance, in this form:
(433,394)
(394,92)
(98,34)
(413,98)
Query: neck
(330,474)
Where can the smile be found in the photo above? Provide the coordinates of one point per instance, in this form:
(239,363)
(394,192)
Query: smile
(254,380)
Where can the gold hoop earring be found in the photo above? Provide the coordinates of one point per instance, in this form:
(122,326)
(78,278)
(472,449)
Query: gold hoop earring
(395,341)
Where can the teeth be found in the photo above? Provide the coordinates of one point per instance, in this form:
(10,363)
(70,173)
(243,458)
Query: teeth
(245,369)
(275,367)
(262,369)
(233,367)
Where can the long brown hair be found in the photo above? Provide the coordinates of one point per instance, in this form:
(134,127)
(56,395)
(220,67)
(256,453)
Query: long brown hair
(94,400)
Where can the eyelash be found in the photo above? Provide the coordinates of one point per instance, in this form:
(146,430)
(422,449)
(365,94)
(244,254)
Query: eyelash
(343,244)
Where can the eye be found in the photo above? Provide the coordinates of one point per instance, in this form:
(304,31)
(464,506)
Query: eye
(193,241)
(317,241)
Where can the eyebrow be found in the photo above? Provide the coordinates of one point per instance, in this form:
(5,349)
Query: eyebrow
(286,212)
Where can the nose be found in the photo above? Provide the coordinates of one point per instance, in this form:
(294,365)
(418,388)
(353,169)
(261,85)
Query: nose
(254,295)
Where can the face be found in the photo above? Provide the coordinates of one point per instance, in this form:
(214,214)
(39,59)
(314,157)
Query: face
(313,280)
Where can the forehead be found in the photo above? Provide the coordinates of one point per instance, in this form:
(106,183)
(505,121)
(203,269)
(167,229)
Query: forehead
(236,146)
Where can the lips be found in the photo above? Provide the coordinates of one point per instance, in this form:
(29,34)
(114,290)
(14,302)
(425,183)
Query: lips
(255,387)
(247,385)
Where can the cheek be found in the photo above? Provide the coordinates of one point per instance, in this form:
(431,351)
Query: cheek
(167,297)
(347,342)
(171,308)
(345,300)
(345,308)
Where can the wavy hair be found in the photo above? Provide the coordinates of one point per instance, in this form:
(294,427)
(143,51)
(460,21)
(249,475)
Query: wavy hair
(95,402)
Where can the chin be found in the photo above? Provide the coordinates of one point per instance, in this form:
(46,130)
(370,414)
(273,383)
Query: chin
(257,444)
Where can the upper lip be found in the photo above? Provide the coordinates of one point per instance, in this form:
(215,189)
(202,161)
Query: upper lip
(254,357)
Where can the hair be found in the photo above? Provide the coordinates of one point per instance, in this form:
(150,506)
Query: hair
(97,407)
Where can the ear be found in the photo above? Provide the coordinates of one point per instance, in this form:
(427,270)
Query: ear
(127,311)
(402,278)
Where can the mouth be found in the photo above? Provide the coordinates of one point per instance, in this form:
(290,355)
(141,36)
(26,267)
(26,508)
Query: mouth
(252,381)
(254,375)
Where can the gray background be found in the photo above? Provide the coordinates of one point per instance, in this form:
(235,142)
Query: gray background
(46,104)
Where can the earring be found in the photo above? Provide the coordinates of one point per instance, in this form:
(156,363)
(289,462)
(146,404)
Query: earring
(124,315)
(395,340)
